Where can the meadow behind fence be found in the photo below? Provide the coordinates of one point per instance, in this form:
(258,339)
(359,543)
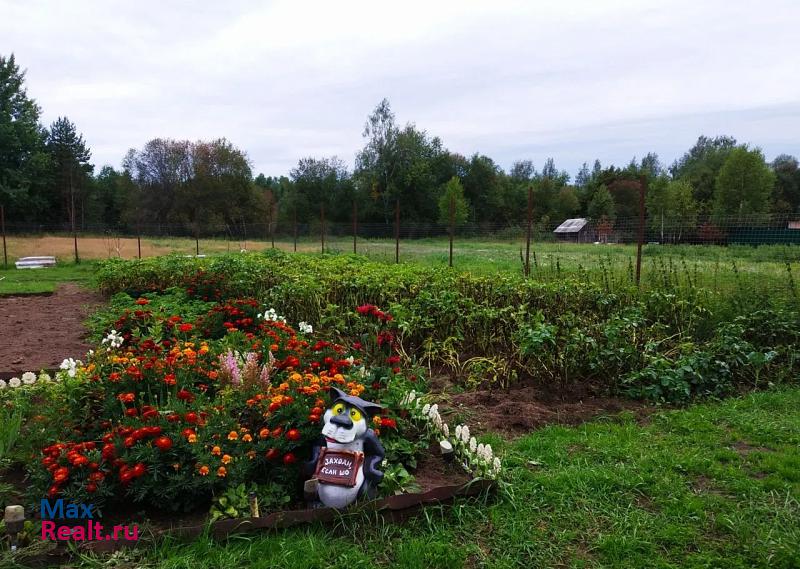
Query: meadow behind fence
(748,252)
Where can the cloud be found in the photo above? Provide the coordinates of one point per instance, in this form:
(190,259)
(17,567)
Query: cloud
(510,79)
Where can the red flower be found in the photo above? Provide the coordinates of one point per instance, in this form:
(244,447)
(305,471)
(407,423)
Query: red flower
(391,360)
(163,443)
(80,461)
(139,470)
(91,487)
(293,435)
(142,302)
(365,308)
(191,418)
(184,395)
(390,423)
(289,458)
(169,379)
(126,397)
(185,327)
(132,412)
(272,454)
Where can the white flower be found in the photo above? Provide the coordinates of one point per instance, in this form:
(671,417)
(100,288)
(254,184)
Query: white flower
(433,411)
(271,315)
(28,378)
(465,434)
(114,339)
(3,384)
(44,376)
(473,445)
(458,432)
(445,430)
(69,365)
(351,359)
(497,466)
(479,450)
(305,328)
(487,453)
(14,382)
(426,408)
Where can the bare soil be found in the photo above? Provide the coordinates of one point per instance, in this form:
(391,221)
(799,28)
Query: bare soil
(525,407)
(39,331)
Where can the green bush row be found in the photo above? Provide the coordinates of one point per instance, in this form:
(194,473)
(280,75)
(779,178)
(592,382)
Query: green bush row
(665,343)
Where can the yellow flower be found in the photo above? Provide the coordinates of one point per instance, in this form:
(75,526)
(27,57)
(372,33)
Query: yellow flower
(192,438)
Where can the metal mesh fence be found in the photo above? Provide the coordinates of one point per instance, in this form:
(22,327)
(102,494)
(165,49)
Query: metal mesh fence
(716,253)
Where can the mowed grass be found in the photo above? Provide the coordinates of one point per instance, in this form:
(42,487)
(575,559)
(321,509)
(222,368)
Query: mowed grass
(769,268)
(37,281)
(715,485)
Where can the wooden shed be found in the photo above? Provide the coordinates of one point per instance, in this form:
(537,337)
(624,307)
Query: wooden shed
(575,230)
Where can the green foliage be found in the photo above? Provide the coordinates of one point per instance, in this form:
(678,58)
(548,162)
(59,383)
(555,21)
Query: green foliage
(24,160)
(494,330)
(744,185)
(715,485)
(602,205)
(453,198)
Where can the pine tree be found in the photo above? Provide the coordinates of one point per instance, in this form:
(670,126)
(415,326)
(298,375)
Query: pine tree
(23,159)
(71,169)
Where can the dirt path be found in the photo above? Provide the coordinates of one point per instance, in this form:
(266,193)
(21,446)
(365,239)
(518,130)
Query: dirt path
(38,332)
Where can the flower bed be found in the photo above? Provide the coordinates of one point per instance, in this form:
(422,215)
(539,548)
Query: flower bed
(188,402)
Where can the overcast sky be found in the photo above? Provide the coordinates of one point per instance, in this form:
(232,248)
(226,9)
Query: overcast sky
(513,80)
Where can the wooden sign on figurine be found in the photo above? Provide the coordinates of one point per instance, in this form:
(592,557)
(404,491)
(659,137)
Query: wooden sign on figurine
(339,467)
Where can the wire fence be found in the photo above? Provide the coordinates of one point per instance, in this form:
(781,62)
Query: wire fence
(761,250)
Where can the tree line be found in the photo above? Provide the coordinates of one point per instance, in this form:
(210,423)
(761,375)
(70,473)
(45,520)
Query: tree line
(47,178)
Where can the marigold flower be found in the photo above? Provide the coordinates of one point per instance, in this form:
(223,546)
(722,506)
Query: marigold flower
(247,438)
(233,435)
(222,472)
(186,327)
(192,438)
(226,458)
(216,451)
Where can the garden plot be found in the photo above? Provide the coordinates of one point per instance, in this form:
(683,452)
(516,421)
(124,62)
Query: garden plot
(39,331)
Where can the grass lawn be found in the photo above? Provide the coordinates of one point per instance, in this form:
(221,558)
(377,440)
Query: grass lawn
(715,485)
(27,281)
(770,269)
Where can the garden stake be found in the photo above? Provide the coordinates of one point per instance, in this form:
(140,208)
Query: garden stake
(3,223)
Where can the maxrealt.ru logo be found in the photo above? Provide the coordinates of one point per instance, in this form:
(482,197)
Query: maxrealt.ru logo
(86,528)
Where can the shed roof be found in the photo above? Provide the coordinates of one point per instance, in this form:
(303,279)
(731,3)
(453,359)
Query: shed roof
(571,225)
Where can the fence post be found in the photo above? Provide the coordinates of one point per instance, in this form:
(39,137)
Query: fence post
(294,222)
(355,225)
(640,240)
(397,231)
(452,225)
(197,242)
(528,236)
(139,239)
(322,219)
(272,224)
(3,224)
